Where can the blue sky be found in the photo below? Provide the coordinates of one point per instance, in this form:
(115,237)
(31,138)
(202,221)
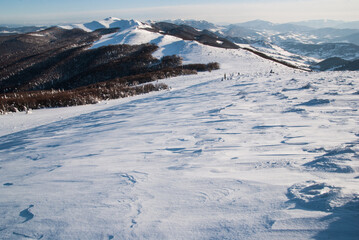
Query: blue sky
(231,11)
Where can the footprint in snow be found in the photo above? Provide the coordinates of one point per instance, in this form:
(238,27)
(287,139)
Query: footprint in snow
(313,195)
(27,214)
(129,178)
(35,157)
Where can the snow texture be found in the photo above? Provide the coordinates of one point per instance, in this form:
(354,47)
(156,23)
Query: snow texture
(237,153)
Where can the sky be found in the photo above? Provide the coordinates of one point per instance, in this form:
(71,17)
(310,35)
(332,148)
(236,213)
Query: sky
(48,12)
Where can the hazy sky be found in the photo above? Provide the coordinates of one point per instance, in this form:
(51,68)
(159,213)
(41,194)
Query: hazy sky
(231,11)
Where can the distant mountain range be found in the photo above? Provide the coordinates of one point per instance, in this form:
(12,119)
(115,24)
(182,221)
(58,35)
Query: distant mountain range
(110,22)
(201,25)
(306,43)
(317,39)
(11,30)
(304,25)
(287,32)
(265,25)
(328,24)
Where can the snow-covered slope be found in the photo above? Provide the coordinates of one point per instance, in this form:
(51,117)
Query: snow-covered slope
(279,53)
(110,22)
(257,155)
(169,45)
(135,32)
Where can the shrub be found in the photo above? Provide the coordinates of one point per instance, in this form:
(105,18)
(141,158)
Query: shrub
(14,102)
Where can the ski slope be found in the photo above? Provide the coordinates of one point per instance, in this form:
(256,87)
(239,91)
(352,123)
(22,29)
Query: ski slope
(257,155)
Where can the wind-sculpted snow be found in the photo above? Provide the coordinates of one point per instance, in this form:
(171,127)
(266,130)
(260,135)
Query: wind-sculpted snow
(237,153)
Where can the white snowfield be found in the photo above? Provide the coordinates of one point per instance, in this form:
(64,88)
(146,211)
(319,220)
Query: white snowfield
(257,155)
(110,22)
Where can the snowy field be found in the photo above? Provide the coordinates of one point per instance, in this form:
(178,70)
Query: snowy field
(257,156)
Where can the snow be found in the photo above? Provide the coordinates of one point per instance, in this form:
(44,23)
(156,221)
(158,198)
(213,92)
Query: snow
(242,158)
(36,34)
(110,22)
(280,54)
(131,36)
(4,31)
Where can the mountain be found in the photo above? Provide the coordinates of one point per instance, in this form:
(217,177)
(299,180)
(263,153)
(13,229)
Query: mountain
(322,51)
(330,64)
(265,25)
(328,24)
(324,35)
(352,25)
(350,66)
(337,64)
(110,22)
(352,38)
(26,57)
(107,59)
(301,43)
(190,33)
(281,54)
(295,32)
(198,24)
(64,67)
(5,30)
(293,38)
(253,150)
(332,34)
(243,32)
(321,23)
(257,24)
(298,45)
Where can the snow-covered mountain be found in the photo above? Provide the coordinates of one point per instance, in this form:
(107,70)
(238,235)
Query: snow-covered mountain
(276,52)
(173,39)
(110,22)
(323,35)
(295,38)
(269,26)
(198,24)
(11,30)
(254,150)
(322,51)
(292,37)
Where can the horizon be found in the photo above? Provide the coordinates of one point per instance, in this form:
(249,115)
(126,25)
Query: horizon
(41,12)
(173,19)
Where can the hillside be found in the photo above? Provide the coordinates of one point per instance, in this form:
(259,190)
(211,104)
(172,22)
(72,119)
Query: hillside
(306,45)
(55,67)
(253,150)
(337,64)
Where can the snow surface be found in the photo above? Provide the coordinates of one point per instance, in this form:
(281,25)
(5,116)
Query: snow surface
(279,53)
(36,35)
(110,22)
(257,155)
